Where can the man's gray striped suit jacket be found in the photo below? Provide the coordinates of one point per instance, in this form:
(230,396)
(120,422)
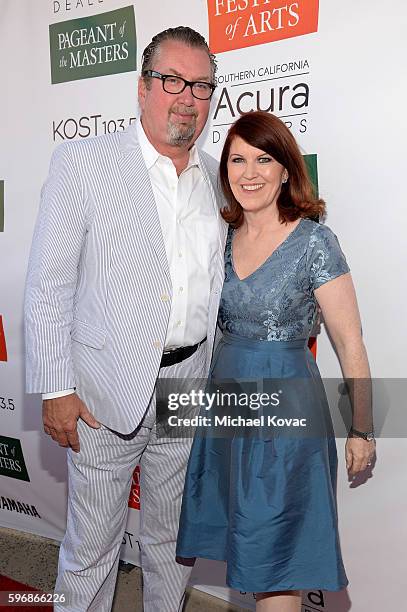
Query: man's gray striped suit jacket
(98,287)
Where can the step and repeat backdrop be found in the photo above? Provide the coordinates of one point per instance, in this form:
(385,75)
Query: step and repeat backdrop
(332,70)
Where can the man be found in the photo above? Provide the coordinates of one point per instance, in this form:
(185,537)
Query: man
(123,286)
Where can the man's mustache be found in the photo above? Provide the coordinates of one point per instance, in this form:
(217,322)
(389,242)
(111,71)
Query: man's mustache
(184,111)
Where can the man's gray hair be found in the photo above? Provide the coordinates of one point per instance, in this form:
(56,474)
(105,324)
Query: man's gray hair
(182,34)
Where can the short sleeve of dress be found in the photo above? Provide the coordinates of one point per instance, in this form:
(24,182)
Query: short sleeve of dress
(326,260)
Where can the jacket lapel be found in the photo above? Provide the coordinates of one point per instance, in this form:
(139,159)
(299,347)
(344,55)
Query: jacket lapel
(135,175)
(218,202)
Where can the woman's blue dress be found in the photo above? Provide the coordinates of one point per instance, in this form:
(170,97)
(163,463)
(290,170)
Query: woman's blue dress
(262,500)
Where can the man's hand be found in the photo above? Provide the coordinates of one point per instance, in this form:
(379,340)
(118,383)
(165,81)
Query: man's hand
(359,454)
(60,417)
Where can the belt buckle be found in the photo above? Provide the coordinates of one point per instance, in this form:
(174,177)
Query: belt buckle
(172,351)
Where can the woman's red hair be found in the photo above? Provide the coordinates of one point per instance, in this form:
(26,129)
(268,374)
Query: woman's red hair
(269,134)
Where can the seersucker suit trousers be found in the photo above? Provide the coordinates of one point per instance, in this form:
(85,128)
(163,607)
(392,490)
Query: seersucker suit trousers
(100,477)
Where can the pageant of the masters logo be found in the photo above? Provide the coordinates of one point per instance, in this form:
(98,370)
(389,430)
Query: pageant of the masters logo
(234,24)
(12,462)
(93,46)
(311,161)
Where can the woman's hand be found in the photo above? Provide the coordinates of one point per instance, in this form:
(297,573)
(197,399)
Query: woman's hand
(359,454)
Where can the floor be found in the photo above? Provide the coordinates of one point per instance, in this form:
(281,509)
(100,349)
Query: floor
(33,560)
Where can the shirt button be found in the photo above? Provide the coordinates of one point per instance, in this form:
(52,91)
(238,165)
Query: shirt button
(179,323)
(164,297)
(179,254)
(181,289)
(157,344)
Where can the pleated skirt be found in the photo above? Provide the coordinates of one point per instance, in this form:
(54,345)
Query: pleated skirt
(263,498)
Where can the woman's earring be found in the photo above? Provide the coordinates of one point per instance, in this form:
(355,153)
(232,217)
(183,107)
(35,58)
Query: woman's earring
(285,178)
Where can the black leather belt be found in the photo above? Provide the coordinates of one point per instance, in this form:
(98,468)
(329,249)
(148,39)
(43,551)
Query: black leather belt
(177,355)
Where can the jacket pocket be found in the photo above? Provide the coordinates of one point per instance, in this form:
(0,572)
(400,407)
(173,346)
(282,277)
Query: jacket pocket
(87,334)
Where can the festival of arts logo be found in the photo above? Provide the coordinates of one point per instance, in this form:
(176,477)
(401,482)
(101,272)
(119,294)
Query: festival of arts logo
(1,206)
(134,497)
(3,347)
(234,24)
(93,46)
(12,462)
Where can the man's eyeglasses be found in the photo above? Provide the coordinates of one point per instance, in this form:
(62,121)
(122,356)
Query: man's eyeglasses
(175,85)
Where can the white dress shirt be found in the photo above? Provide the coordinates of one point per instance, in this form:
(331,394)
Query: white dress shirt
(190,232)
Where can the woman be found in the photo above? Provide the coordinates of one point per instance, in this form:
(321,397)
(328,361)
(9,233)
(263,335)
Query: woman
(263,501)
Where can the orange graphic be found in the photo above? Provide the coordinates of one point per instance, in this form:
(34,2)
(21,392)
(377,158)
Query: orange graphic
(312,345)
(134,497)
(234,24)
(3,349)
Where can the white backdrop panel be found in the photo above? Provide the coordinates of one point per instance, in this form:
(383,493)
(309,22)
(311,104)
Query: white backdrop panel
(353,122)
